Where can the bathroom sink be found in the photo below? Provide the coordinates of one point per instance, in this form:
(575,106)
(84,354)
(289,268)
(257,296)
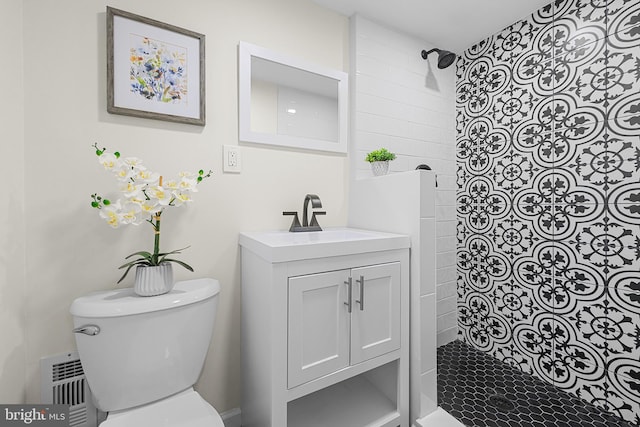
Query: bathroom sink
(282,246)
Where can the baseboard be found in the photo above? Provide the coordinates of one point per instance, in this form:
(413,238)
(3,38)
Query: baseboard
(232,418)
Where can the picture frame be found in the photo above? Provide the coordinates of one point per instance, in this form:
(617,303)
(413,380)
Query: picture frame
(154,70)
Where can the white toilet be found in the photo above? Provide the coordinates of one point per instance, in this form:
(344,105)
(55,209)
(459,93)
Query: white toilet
(142,355)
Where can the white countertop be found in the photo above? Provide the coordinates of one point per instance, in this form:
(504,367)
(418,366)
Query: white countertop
(283,246)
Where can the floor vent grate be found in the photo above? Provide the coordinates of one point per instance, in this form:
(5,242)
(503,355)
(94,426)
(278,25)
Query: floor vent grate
(63,382)
(65,370)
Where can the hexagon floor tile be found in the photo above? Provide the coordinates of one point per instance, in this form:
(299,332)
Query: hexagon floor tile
(481,391)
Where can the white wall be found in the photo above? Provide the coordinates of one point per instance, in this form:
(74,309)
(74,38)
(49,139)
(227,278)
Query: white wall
(70,251)
(12,276)
(407,105)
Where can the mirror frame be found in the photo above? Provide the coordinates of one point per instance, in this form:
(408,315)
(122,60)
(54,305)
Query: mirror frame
(246,51)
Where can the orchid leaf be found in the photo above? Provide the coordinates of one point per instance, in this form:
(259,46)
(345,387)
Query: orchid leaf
(184,264)
(127,270)
(140,261)
(146,255)
(177,251)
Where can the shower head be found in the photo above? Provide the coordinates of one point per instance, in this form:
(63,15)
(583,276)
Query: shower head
(445,58)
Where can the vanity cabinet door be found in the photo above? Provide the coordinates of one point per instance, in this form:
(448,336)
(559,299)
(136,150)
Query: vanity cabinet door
(375,319)
(318,329)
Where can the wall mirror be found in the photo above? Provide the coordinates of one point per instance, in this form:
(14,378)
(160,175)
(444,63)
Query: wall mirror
(289,102)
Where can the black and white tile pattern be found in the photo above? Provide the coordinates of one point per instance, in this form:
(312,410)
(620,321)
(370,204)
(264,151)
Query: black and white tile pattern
(482,392)
(548,202)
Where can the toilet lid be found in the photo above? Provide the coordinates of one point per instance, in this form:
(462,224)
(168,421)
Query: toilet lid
(186,409)
(125,302)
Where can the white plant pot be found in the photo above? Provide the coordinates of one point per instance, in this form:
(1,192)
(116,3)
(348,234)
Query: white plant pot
(380,168)
(153,280)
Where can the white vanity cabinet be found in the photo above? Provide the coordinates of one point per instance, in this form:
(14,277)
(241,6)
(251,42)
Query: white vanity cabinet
(341,318)
(325,329)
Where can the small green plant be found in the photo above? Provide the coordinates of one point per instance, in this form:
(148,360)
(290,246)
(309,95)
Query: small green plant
(380,155)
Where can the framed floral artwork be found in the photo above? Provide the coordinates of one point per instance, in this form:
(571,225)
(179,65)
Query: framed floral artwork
(154,70)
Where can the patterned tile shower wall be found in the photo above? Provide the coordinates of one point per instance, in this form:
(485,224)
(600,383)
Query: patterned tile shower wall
(548,199)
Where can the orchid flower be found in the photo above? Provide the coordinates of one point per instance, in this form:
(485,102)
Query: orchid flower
(144,197)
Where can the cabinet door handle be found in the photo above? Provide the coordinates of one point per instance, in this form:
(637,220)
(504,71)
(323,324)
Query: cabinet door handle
(361,300)
(349,284)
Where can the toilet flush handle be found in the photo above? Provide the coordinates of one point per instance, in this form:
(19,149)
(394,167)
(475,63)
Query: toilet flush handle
(87,330)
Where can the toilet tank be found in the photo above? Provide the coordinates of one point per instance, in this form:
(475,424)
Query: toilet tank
(147,348)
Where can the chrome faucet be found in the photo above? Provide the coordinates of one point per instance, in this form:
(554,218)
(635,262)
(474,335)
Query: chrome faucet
(307,225)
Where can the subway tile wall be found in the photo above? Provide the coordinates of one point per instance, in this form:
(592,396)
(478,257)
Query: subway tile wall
(548,201)
(407,105)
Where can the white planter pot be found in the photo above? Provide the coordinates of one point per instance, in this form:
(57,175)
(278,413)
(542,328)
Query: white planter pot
(380,168)
(153,280)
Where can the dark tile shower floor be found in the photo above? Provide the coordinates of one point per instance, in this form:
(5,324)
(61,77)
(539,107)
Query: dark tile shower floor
(481,391)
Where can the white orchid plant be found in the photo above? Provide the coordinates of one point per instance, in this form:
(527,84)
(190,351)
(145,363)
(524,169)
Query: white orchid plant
(144,197)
